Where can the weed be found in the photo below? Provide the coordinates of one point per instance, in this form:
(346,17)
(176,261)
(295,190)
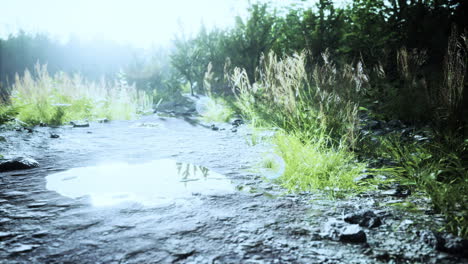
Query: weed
(217,110)
(61,98)
(315,165)
(439,170)
(7,113)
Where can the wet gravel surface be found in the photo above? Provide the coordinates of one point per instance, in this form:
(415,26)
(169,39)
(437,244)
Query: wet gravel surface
(259,223)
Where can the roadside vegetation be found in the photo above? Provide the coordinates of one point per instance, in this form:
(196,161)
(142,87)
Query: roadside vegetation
(60,99)
(327,76)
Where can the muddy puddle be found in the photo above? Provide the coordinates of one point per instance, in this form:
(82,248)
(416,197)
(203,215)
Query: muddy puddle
(151,184)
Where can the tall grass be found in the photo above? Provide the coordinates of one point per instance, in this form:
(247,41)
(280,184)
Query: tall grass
(317,114)
(61,98)
(286,96)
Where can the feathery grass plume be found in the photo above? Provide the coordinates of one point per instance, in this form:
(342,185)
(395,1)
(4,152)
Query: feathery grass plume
(284,95)
(62,98)
(318,118)
(216,110)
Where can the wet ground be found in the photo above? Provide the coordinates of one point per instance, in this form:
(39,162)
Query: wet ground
(143,206)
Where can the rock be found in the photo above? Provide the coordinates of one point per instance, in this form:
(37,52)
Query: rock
(234,130)
(298,230)
(445,242)
(76,124)
(395,124)
(4,220)
(20,163)
(4,235)
(37,205)
(52,135)
(364,218)
(22,248)
(379,132)
(400,191)
(103,120)
(372,125)
(2,139)
(353,234)
(455,245)
(237,122)
(331,229)
(214,128)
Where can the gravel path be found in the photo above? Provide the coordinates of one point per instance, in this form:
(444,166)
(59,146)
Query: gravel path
(257,223)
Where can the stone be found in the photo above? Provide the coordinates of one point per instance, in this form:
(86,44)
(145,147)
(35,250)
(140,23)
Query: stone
(395,124)
(400,191)
(353,234)
(77,124)
(445,242)
(4,235)
(372,124)
(54,135)
(22,248)
(237,122)
(20,163)
(364,218)
(103,120)
(214,128)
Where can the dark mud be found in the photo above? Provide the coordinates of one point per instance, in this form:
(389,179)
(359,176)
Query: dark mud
(256,223)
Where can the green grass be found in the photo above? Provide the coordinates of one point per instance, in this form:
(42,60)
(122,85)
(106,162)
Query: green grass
(7,113)
(217,110)
(314,165)
(59,99)
(437,168)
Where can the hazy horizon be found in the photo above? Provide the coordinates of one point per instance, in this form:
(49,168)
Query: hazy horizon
(140,23)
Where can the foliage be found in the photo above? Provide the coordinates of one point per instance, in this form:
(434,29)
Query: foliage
(59,99)
(440,169)
(284,96)
(155,75)
(7,113)
(217,110)
(23,50)
(313,164)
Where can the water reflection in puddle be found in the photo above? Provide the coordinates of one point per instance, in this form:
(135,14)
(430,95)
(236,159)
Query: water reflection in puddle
(154,183)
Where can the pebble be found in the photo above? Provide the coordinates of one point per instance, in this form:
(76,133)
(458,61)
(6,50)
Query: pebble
(22,248)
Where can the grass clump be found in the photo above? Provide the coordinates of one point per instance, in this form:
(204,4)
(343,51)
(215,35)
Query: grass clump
(7,113)
(438,168)
(217,110)
(59,99)
(313,164)
(317,116)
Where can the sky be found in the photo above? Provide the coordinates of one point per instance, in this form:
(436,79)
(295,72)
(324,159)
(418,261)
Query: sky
(139,22)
